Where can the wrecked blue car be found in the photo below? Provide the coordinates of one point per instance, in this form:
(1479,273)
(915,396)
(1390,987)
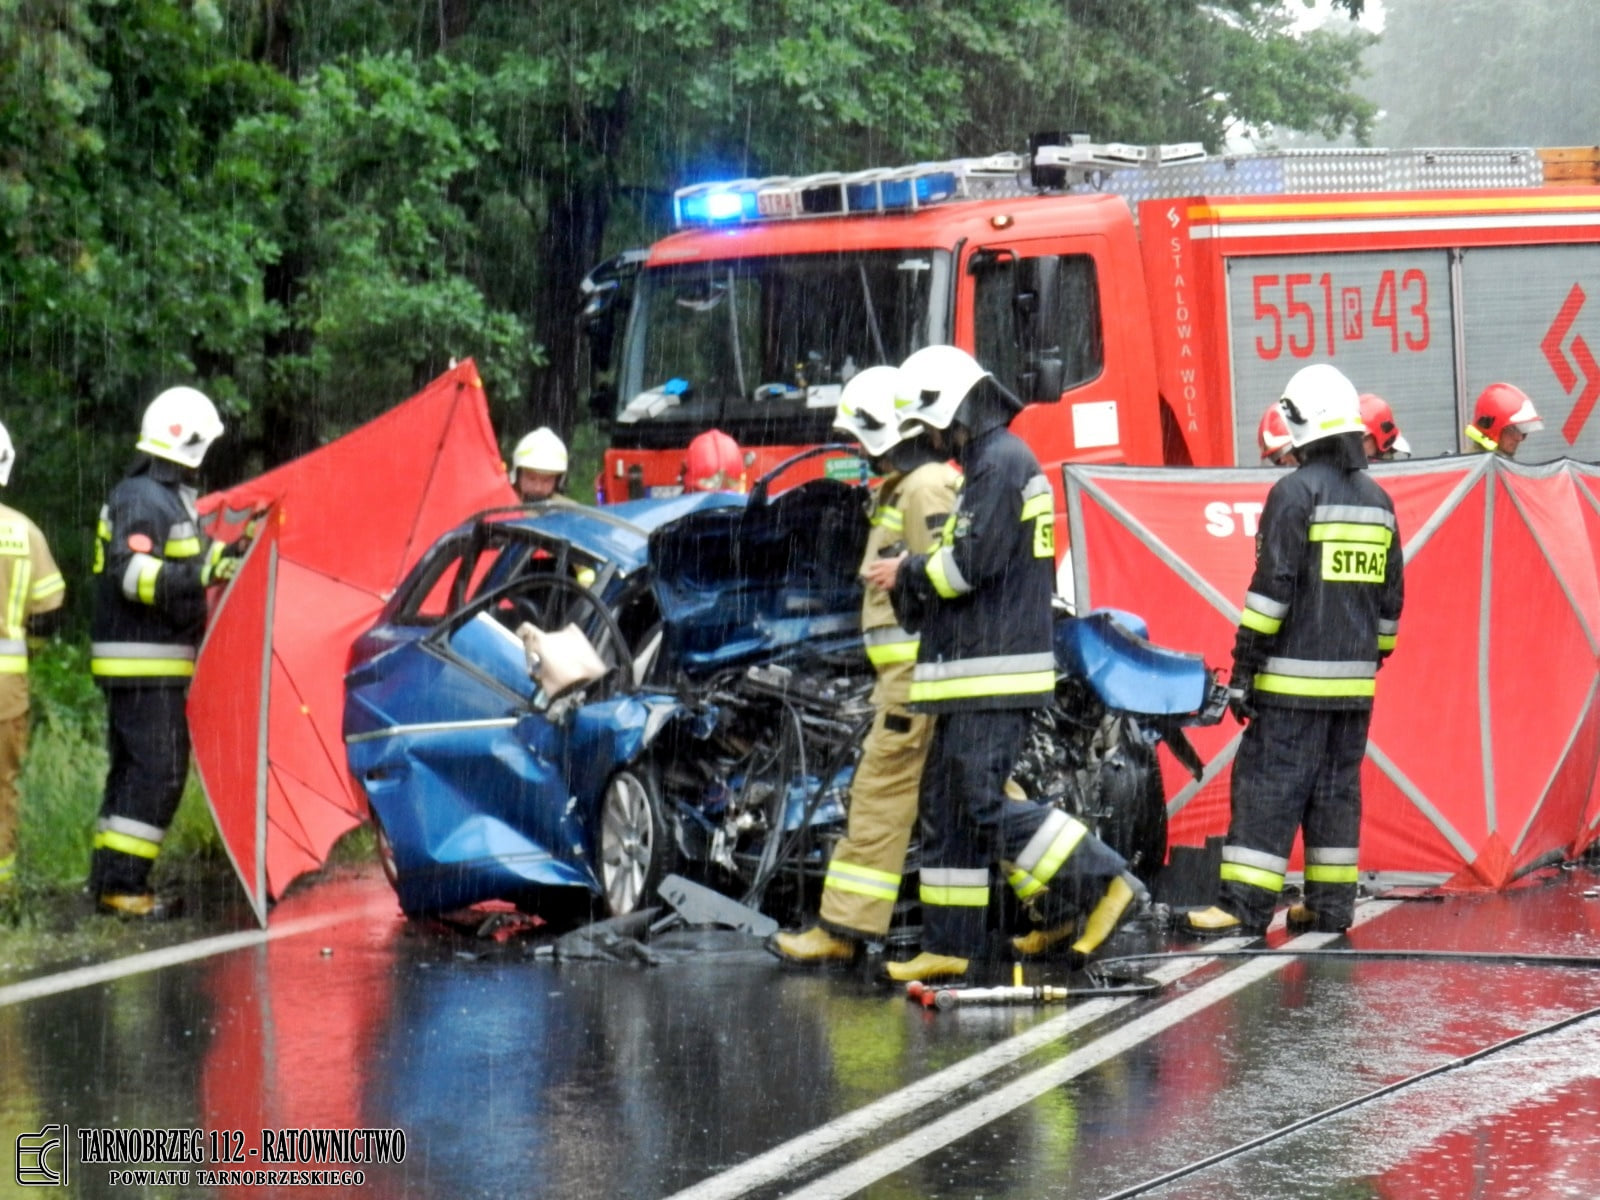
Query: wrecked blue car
(562,705)
(723,702)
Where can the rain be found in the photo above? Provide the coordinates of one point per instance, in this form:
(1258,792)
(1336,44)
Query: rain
(526,844)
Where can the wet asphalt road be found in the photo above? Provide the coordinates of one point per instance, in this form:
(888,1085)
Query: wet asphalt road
(716,1074)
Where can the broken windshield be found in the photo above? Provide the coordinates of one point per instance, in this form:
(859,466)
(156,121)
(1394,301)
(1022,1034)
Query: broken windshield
(761,347)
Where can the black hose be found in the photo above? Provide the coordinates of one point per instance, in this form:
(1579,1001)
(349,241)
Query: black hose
(1378,1093)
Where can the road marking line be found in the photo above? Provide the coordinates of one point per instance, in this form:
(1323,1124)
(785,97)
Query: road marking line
(800,1153)
(957,1124)
(171,956)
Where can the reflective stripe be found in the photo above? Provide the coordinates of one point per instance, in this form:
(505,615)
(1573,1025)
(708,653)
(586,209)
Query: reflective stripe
(1359,514)
(1294,685)
(862,881)
(954,887)
(889,518)
(891,645)
(8,866)
(1385,642)
(1246,857)
(17,600)
(1051,845)
(1251,619)
(1267,881)
(1317,668)
(127,836)
(1266,605)
(134,659)
(13,656)
(995,675)
(1342,856)
(1388,627)
(182,548)
(1366,534)
(1332,874)
(142,830)
(44,588)
(1038,507)
(1024,885)
(945,576)
(139,579)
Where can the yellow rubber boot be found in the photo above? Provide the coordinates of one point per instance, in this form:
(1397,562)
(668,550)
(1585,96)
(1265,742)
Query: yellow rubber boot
(925,967)
(143,906)
(1105,916)
(1213,922)
(814,947)
(1299,918)
(1039,941)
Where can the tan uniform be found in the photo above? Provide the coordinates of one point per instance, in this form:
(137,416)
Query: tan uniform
(29,583)
(863,878)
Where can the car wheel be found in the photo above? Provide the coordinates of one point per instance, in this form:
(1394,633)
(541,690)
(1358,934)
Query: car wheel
(635,846)
(391,871)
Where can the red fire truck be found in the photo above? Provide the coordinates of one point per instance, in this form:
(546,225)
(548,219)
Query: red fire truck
(1148,302)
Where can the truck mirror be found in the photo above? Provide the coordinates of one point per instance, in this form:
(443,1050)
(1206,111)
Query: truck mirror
(1049,378)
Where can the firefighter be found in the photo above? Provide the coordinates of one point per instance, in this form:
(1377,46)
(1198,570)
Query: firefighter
(153,567)
(539,466)
(33,591)
(1320,616)
(981,603)
(1502,417)
(1383,441)
(911,503)
(713,463)
(1272,435)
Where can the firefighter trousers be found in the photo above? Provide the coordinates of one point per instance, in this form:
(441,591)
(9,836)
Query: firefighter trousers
(1296,769)
(148,743)
(863,879)
(13,745)
(1053,863)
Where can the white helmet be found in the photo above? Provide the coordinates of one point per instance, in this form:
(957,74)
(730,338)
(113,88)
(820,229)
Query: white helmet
(179,425)
(933,383)
(540,451)
(867,409)
(8,456)
(1319,402)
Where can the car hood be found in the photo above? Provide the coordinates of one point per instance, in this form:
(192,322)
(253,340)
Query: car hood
(764,581)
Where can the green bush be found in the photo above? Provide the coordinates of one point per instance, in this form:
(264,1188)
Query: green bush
(64,774)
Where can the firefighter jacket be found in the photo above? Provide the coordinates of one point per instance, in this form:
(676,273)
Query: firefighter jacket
(981,600)
(909,515)
(31,585)
(152,566)
(1323,609)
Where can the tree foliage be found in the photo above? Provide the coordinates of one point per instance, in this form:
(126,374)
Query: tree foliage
(1524,85)
(307,207)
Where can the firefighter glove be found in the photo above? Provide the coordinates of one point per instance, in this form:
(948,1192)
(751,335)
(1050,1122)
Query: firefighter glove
(219,570)
(1241,696)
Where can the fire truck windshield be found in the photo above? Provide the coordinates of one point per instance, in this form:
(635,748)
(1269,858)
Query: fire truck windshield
(760,347)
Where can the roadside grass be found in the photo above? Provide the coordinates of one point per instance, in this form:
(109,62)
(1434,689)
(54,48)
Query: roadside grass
(62,779)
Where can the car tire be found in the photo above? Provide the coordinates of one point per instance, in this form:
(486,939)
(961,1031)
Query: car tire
(635,844)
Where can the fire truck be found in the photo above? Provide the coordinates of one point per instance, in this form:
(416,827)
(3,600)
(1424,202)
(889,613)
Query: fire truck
(1147,303)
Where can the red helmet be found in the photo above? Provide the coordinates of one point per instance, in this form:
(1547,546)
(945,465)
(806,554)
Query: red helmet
(714,464)
(1378,417)
(1272,435)
(1499,407)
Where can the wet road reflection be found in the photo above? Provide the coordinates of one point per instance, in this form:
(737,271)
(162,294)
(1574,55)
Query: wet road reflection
(512,1074)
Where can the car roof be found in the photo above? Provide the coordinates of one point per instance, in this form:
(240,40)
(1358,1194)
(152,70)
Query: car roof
(617,533)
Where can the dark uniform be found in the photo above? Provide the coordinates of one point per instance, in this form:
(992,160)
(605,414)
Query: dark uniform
(981,603)
(153,567)
(1321,615)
